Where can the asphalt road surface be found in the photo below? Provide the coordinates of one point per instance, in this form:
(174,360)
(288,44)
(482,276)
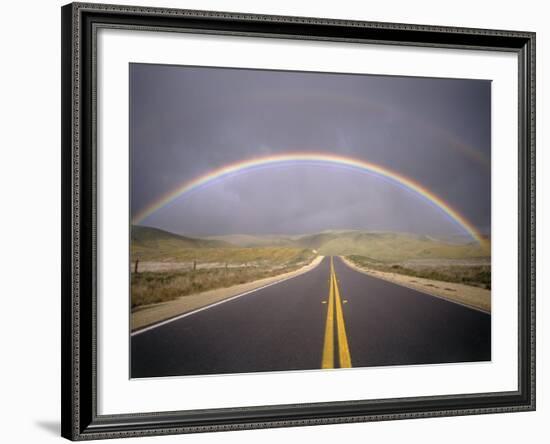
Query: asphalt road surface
(329,317)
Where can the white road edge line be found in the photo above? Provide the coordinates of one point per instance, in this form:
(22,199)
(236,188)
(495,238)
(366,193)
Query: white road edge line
(410,287)
(206,307)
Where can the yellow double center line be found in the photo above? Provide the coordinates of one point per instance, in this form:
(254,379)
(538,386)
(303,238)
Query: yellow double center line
(335,311)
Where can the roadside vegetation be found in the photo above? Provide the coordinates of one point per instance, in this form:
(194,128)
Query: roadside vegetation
(165,266)
(210,269)
(473,275)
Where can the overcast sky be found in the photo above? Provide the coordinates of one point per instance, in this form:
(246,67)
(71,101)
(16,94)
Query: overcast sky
(187,121)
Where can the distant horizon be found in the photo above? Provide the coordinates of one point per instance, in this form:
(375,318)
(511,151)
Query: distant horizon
(336,230)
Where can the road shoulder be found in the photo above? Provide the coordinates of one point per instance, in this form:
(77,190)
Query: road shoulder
(155,313)
(471,297)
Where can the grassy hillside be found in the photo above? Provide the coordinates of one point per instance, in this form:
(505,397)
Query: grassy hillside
(149,236)
(152,244)
(474,275)
(250,240)
(154,238)
(202,264)
(381,246)
(392,247)
(223,261)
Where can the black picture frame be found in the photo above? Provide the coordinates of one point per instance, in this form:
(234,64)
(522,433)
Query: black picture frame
(80,419)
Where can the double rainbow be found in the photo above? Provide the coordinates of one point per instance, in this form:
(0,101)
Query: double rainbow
(317,159)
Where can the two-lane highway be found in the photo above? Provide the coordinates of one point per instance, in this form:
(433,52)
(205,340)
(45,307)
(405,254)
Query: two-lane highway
(388,324)
(331,316)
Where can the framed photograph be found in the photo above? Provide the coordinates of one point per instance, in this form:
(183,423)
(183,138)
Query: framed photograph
(279,221)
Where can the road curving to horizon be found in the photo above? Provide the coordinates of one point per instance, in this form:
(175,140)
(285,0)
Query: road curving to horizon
(329,317)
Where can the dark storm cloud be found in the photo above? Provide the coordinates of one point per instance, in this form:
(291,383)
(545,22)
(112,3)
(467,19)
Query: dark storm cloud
(187,121)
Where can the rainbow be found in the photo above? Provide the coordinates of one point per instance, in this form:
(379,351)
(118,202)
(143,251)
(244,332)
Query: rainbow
(317,159)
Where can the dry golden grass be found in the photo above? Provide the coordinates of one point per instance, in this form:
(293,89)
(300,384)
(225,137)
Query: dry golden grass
(150,314)
(390,247)
(474,275)
(451,287)
(149,287)
(229,255)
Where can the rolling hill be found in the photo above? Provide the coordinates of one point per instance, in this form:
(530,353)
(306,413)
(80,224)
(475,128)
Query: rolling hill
(389,247)
(381,246)
(149,243)
(152,243)
(150,237)
(250,240)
